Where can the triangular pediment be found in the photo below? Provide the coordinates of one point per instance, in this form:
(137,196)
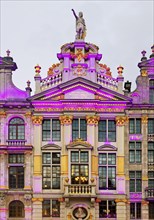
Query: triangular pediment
(79,144)
(107,147)
(79,89)
(50,147)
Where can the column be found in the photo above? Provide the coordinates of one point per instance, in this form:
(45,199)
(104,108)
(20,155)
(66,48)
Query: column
(2,127)
(28,207)
(121,208)
(37,176)
(145,210)
(28,165)
(28,130)
(37,208)
(3,170)
(120,122)
(3,209)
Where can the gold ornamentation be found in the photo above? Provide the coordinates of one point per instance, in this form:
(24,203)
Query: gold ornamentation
(121,200)
(144,119)
(79,71)
(37,69)
(120,70)
(2,114)
(79,141)
(106,69)
(28,114)
(144,73)
(144,178)
(66,179)
(66,119)
(144,202)
(92,180)
(37,199)
(92,120)
(50,71)
(37,120)
(121,120)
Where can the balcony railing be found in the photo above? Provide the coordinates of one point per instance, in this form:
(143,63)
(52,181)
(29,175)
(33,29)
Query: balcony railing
(151,166)
(16,142)
(86,190)
(149,193)
(150,137)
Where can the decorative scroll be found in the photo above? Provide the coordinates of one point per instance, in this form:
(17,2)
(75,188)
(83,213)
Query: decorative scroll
(92,120)
(3,114)
(66,119)
(144,119)
(37,120)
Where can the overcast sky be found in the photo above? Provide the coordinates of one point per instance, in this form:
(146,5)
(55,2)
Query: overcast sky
(35,30)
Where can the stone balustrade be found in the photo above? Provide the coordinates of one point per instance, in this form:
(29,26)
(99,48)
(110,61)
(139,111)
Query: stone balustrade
(79,190)
(107,81)
(16,142)
(50,81)
(149,193)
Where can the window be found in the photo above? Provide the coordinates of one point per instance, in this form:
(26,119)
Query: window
(151,179)
(150,152)
(107,130)
(51,170)
(107,209)
(151,208)
(79,129)
(135,181)
(46,130)
(16,209)
(51,208)
(150,126)
(151,91)
(135,126)
(135,152)
(107,171)
(135,210)
(16,171)
(16,129)
(79,167)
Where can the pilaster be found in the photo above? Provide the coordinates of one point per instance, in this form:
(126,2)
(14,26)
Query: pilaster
(37,208)
(3,170)
(2,127)
(145,210)
(121,208)
(28,163)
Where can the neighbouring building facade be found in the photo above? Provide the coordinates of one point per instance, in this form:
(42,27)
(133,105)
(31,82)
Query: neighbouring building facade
(81,147)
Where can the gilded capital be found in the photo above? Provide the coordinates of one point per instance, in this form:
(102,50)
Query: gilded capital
(144,72)
(121,200)
(144,178)
(144,119)
(92,120)
(66,119)
(37,199)
(2,114)
(144,202)
(121,120)
(37,120)
(28,114)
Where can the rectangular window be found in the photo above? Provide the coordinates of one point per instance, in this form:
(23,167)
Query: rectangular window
(135,183)
(107,171)
(51,170)
(107,130)
(150,152)
(135,126)
(135,152)
(107,209)
(135,210)
(151,179)
(151,208)
(151,91)
(79,129)
(150,126)
(16,171)
(46,130)
(56,130)
(79,167)
(50,208)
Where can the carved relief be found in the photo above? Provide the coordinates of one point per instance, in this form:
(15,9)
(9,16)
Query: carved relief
(66,119)
(144,119)
(37,120)
(92,120)
(2,199)
(121,120)
(28,114)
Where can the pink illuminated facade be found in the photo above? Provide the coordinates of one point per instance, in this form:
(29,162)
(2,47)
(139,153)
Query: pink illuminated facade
(81,147)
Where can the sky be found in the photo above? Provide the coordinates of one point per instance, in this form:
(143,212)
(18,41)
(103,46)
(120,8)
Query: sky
(35,30)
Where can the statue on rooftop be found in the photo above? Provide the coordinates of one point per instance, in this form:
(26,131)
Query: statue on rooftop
(80,26)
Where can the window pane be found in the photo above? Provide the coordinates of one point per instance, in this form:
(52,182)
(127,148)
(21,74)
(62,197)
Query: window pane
(75,129)
(46,130)
(102,130)
(138,126)
(74,156)
(132,156)
(46,208)
(131,126)
(102,177)
(56,158)
(150,126)
(132,210)
(75,174)
(84,156)
(132,185)
(16,209)
(103,159)
(103,209)
(46,158)
(56,130)
(111,159)
(56,177)
(138,210)
(55,208)
(111,131)
(112,208)
(83,129)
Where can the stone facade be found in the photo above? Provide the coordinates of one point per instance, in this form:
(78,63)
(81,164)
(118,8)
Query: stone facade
(82,147)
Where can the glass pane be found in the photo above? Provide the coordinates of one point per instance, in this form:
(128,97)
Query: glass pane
(132,156)
(150,126)
(138,210)
(46,130)
(56,130)
(103,209)
(102,159)
(84,156)
(131,145)
(132,185)
(16,121)
(138,126)
(111,159)
(75,174)
(112,208)
(55,158)
(55,208)
(138,156)
(46,208)
(102,136)
(132,210)
(46,158)
(83,129)
(131,126)
(74,156)
(131,174)
(151,145)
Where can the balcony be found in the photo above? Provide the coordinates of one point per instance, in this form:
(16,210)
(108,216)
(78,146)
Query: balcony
(149,193)
(151,166)
(16,142)
(80,190)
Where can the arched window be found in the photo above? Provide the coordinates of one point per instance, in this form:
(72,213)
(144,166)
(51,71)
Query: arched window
(16,209)
(16,129)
